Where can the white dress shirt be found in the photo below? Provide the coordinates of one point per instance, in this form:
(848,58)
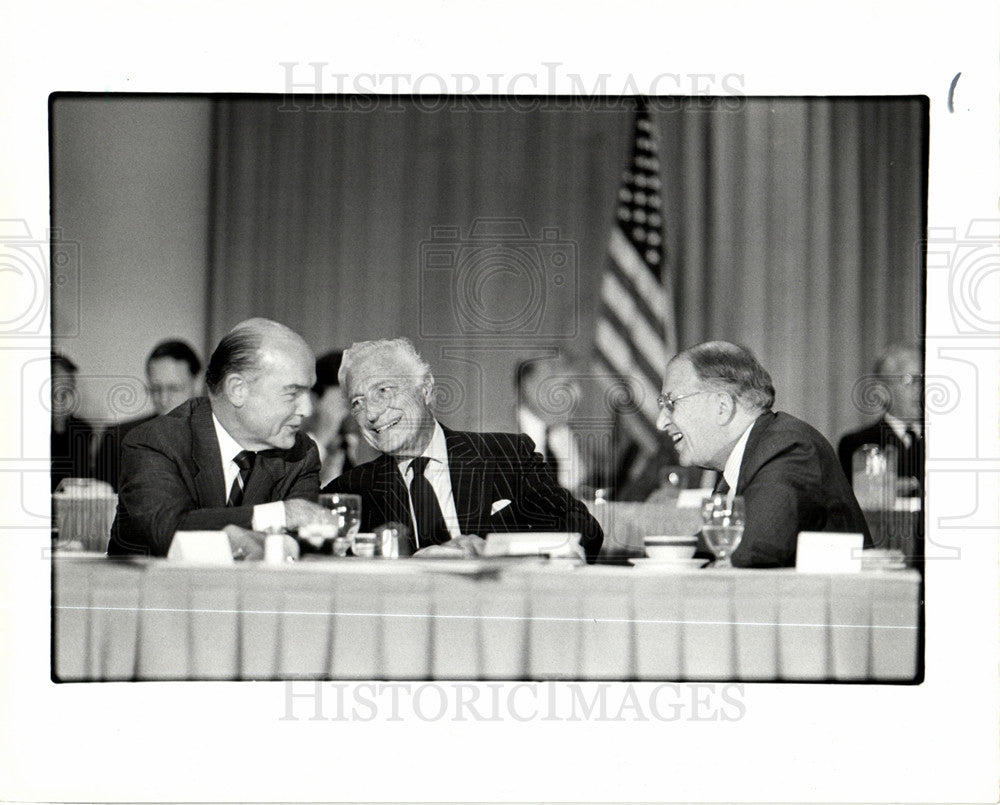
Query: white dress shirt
(571,471)
(899,428)
(439,474)
(265,515)
(731,472)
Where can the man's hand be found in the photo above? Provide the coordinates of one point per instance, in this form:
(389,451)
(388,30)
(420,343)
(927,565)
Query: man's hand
(467,546)
(300,512)
(246,544)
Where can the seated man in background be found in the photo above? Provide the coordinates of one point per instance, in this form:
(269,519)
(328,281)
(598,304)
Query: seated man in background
(901,425)
(716,406)
(70,438)
(446,484)
(173,375)
(236,460)
(331,426)
(547,394)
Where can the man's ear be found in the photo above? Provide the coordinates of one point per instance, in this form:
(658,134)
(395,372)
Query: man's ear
(725,407)
(428,388)
(235,388)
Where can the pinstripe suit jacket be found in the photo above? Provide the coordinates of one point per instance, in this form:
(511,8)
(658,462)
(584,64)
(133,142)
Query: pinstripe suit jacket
(485,468)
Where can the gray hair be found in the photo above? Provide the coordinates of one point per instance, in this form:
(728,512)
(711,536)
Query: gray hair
(361,351)
(733,368)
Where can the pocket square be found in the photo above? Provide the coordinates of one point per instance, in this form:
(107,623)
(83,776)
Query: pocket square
(499,505)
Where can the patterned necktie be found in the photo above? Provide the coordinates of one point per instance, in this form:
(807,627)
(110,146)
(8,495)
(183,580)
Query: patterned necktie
(244,460)
(431,529)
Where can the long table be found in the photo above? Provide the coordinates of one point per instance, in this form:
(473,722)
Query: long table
(149,619)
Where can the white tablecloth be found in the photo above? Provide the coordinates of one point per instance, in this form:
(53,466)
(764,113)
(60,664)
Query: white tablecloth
(424,619)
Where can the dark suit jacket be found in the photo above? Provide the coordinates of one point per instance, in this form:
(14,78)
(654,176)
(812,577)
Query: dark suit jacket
(909,460)
(484,468)
(171,479)
(791,481)
(107,462)
(70,451)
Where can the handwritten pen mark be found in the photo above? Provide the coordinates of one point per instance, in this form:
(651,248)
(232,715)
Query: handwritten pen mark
(951,93)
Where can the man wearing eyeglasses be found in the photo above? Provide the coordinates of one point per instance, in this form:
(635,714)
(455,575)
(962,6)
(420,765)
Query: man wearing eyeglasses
(716,408)
(898,374)
(447,487)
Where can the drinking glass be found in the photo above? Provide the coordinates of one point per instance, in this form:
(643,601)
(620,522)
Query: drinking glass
(722,526)
(347,510)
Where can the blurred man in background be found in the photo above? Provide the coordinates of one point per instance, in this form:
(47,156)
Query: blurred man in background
(70,438)
(332,428)
(173,375)
(901,425)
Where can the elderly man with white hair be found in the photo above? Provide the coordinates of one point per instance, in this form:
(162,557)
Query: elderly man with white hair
(451,487)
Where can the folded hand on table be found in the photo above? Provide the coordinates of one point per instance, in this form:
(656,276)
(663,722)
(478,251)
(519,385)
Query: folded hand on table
(247,544)
(467,546)
(300,512)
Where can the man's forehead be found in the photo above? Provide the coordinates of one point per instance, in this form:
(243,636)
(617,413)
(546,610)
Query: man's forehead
(679,372)
(385,367)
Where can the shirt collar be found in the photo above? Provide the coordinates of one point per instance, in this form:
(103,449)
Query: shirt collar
(899,427)
(436,450)
(530,423)
(228,446)
(731,472)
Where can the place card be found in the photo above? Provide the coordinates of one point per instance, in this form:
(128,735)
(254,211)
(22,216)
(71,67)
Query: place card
(828,552)
(201,547)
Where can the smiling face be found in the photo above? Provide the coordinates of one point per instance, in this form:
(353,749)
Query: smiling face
(272,402)
(391,404)
(694,426)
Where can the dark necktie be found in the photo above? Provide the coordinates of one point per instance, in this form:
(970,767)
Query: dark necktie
(721,486)
(244,460)
(431,529)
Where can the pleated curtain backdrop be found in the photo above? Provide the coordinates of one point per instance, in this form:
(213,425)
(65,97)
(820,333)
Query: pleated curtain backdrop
(793,226)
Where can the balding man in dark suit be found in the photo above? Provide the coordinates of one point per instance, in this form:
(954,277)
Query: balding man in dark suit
(236,461)
(716,406)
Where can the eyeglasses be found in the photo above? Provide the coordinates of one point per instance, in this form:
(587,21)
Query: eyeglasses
(668,401)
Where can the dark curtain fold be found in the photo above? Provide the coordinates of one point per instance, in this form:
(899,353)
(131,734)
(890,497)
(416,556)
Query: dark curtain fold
(792,226)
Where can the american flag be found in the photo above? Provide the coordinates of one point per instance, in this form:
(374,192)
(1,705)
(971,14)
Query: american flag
(636,331)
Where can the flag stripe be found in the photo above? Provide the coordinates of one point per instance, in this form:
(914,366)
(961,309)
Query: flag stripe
(647,341)
(636,333)
(615,350)
(638,426)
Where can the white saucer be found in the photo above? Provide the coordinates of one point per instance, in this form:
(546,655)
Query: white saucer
(668,564)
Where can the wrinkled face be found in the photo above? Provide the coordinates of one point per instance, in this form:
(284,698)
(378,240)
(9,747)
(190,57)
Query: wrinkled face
(905,385)
(391,404)
(272,402)
(694,424)
(170,383)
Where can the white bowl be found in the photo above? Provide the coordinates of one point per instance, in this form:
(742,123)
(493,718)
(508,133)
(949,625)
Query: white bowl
(671,549)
